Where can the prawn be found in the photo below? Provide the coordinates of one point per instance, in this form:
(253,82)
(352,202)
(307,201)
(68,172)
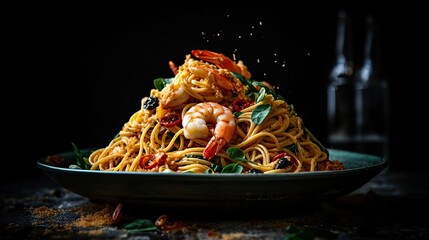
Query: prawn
(173,95)
(195,125)
(223,77)
(222,61)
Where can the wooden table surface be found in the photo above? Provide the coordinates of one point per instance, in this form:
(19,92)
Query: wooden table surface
(391,206)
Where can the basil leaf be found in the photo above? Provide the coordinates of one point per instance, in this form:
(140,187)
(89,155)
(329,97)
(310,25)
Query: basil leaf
(140,225)
(245,82)
(253,96)
(268,90)
(81,160)
(215,167)
(232,168)
(260,113)
(237,114)
(160,83)
(236,154)
(261,95)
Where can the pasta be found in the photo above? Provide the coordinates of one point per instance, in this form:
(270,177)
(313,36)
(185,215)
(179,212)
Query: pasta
(212,118)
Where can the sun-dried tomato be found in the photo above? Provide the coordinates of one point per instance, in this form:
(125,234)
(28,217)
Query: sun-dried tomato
(171,119)
(239,104)
(150,161)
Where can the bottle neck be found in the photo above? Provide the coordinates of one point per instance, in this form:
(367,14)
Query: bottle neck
(370,71)
(343,68)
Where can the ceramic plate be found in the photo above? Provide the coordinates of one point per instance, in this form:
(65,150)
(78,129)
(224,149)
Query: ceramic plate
(184,190)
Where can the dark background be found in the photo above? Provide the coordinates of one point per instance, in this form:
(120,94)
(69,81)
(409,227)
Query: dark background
(79,73)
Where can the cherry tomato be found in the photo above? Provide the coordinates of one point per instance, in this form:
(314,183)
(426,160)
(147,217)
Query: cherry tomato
(171,119)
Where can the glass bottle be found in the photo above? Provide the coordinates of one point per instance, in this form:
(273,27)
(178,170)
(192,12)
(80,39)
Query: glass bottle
(340,90)
(372,98)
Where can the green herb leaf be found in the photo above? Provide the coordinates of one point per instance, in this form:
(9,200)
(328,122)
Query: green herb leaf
(160,83)
(232,168)
(267,89)
(140,225)
(260,113)
(216,167)
(236,154)
(237,114)
(253,95)
(74,166)
(81,160)
(261,95)
(117,135)
(308,234)
(245,82)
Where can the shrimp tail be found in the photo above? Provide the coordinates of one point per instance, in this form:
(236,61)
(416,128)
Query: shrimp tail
(213,147)
(173,67)
(222,61)
(218,59)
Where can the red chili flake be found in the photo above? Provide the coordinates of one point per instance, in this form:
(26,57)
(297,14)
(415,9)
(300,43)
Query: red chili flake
(117,214)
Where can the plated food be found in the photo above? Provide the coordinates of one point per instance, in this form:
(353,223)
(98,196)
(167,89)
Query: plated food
(212,117)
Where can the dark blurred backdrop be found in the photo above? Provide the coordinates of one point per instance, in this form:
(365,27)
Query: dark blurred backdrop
(83,71)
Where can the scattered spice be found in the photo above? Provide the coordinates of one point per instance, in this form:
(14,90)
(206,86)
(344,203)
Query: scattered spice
(43,211)
(102,217)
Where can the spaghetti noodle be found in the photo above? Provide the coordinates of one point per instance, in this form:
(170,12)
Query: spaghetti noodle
(211,118)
